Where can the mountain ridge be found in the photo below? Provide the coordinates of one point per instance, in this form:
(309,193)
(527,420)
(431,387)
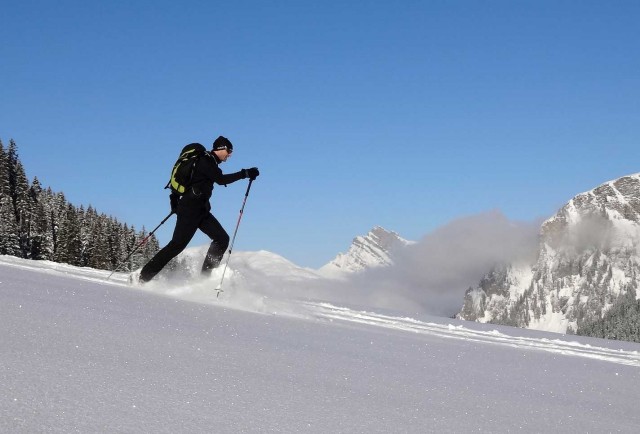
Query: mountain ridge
(587,259)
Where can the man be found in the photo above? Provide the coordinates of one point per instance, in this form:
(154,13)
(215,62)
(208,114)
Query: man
(193,211)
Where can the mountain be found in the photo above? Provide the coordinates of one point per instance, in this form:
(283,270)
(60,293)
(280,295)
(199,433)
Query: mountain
(587,262)
(372,250)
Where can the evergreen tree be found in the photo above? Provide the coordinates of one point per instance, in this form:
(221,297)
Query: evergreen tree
(149,249)
(41,245)
(87,228)
(19,192)
(146,251)
(9,239)
(115,248)
(57,217)
(69,243)
(99,257)
(620,322)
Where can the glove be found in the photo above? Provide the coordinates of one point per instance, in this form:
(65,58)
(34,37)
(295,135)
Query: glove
(174,200)
(251,173)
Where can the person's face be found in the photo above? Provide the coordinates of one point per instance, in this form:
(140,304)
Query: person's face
(223,154)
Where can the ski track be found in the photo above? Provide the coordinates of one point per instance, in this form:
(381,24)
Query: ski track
(328,311)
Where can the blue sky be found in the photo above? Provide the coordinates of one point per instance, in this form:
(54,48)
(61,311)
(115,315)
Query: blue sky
(401,114)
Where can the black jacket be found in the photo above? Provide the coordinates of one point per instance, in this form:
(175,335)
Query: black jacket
(205,175)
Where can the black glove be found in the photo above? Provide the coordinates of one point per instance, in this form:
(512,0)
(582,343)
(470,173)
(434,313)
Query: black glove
(251,173)
(174,200)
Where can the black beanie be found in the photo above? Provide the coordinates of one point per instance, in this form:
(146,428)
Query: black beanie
(222,143)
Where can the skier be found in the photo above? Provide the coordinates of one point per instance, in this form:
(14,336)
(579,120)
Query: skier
(193,212)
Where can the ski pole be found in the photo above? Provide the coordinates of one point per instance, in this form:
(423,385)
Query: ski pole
(140,244)
(233,240)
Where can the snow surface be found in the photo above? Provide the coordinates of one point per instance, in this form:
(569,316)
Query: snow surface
(83,355)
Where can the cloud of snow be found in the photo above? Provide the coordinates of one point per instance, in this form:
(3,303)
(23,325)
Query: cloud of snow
(432,275)
(429,277)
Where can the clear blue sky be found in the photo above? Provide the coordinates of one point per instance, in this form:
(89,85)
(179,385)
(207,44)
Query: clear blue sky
(404,114)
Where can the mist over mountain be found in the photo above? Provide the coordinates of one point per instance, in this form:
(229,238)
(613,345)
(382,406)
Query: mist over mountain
(382,270)
(587,262)
(431,275)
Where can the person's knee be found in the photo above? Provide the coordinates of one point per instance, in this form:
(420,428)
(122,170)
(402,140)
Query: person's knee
(224,241)
(176,247)
(219,245)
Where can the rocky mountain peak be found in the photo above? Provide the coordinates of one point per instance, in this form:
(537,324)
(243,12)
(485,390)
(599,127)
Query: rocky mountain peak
(372,250)
(612,202)
(588,258)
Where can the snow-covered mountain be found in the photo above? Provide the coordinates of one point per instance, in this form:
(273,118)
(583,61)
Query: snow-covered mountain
(372,250)
(588,259)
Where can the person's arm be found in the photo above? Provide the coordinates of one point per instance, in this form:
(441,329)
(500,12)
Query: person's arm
(233,177)
(230,178)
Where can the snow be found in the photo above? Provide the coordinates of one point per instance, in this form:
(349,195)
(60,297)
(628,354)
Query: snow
(83,355)
(551,321)
(521,276)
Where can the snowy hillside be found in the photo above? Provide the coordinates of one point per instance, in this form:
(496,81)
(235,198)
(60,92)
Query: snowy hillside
(587,259)
(83,355)
(372,250)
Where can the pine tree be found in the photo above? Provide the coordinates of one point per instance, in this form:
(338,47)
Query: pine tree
(69,244)
(114,244)
(9,239)
(41,245)
(149,250)
(19,192)
(99,257)
(57,217)
(87,227)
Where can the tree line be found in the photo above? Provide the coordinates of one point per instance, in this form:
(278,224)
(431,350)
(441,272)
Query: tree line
(38,223)
(620,322)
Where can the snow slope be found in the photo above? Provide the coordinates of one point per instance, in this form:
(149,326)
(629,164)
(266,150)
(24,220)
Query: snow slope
(82,355)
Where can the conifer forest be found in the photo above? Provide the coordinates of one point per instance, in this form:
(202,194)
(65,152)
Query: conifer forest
(38,223)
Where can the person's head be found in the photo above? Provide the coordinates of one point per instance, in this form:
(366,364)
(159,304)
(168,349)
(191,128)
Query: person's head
(222,148)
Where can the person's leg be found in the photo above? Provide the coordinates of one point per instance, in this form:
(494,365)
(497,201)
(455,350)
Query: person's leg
(219,243)
(186,226)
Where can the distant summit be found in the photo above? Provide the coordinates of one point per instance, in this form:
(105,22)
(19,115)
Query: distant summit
(372,250)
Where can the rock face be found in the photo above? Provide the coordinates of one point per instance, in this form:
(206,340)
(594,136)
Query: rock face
(588,258)
(372,250)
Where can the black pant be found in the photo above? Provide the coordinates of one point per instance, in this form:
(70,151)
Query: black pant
(186,226)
